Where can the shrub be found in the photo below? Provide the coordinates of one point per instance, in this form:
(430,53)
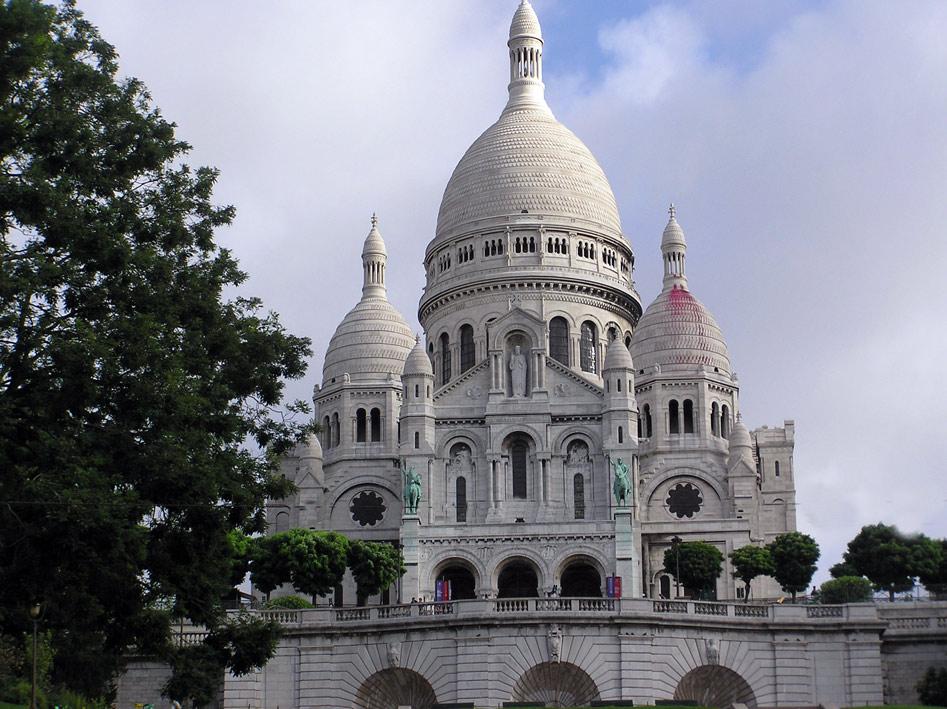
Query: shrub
(846,589)
(932,687)
(19,693)
(289,602)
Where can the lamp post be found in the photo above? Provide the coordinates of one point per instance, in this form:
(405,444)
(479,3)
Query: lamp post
(676,541)
(34,615)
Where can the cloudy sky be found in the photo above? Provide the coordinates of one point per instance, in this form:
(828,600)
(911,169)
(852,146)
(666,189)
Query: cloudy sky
(803,144)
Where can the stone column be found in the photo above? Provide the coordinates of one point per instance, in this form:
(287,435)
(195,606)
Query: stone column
(411,581)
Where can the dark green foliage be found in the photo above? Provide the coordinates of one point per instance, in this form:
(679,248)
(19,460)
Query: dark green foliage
(846,589)
(933,572)
(287,602)
(374,566)
(313,562)
(129,386)
(932,687)
(841,569)
(794,556)
(700,564)
(748,563)
(891,560)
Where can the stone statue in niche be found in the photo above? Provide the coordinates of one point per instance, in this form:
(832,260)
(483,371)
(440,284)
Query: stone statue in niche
(518,372)
(460,460)
(394,654)
(578,453)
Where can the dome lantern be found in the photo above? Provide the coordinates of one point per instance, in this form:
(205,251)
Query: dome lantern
(674,250)
(526,60)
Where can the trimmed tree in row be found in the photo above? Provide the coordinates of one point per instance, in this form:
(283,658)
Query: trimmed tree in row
(892,560)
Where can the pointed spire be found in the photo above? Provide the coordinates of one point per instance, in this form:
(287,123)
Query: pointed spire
(526,61)
(673,251)
(374,258)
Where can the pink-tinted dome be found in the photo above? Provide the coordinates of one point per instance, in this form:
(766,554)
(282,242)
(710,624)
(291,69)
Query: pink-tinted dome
(677,331)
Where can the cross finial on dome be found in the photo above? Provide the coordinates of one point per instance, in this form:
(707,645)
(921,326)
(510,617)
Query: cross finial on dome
(374,220)
(671,210)
(417,339)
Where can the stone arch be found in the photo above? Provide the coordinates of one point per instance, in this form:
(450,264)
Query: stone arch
(715,686)
(338,503)
(565,437)
(575,576)
(395,687)
(465,577)
(454,557)
(445,444)
(556,684)
(659,479)
(524,558)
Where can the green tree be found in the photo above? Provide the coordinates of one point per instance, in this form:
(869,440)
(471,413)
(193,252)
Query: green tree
(934,573)
(846,589)
(794,558)
(313,562)
(837,571)
(932,687)
(129,384)
(374,566)
(749,562)
(700,565)
(888,558)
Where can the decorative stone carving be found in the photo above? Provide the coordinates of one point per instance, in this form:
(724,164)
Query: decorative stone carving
(474,392)
(712,647)
(554,642)
(394,654)
(562,389)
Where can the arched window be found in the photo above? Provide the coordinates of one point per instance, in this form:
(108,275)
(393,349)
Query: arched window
(326,433)
(725,421)
(461,499)
(416,391)
(618,382)
(518,454)
(417,439)
(467,354)
(587,348)
(621,435)
(688,416)
(715,419)
(647,420)
(336,430)
(559,340)
(578,495)
(376,425)
(674,422)
(445,358)
(777,468)
(360,426)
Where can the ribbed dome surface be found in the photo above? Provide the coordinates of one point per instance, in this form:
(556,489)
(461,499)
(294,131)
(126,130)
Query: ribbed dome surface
(372,341)
(617,356)
(418,362)
(525,22)
(677,330)
(529,161)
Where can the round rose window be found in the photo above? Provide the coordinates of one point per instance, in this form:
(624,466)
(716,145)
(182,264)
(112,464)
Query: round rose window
(684,500)
(367,508)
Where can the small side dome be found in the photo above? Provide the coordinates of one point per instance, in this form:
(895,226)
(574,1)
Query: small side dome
(673,234)
(374,244)
(617,356)
(310,448)
(740,444)
(525,22)
(418,362)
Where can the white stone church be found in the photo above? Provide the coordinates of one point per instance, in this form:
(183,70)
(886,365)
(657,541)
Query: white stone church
(537,377)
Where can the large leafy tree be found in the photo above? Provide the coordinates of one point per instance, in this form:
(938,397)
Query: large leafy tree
(374,567)
(313,562)
(889,559)
(700,564)
(794,557)
(129,384)
(846,589)
(933,573)
(749,562)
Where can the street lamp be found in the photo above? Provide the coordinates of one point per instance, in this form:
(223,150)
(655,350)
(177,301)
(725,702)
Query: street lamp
(676,541)
(34,614)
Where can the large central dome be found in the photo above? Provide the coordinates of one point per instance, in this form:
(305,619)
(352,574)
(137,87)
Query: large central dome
(527,162)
